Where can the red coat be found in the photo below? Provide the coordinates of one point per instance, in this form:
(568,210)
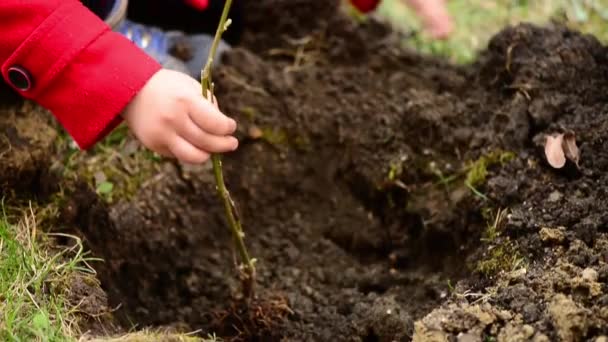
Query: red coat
(62,56)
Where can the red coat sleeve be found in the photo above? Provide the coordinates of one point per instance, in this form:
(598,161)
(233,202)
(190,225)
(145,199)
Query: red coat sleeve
(365,6)
(60,55)
(198,4)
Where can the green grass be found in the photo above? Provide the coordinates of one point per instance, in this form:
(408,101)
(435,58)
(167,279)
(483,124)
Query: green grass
(35,278)
(33,282)
(478,170)
(155,336)
(476,21)
(116,167)
(502,254)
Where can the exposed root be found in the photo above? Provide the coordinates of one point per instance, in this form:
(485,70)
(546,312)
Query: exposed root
(256,319)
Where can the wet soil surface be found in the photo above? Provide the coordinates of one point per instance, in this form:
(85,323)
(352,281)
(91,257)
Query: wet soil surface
(351,183)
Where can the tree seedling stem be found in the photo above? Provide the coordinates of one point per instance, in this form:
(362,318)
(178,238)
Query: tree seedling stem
(234,222)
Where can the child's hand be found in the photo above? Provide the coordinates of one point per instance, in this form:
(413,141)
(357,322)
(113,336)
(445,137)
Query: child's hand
(435,16)
(171,117)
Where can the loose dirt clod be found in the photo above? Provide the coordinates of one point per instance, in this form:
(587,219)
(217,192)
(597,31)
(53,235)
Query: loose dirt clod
(569,319)
(590,275)
(553,235)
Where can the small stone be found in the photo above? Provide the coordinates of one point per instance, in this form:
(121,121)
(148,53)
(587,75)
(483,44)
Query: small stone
(528,330)
(571,321)
(131,147)
(540,337)
(100,177)
(601,339)
(308,290)
(590,275)
(531,312)
(517,274)
(554,235)
(515,333)
(603,274)
(555,196)
(468,338)
(504,315)
(255,132)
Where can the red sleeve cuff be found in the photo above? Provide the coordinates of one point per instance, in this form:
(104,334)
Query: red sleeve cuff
(365,6)
(80,70)
(198,4)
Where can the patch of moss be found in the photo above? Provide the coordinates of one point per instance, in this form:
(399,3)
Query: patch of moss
(394,171)
(494,223)
(478,170)
(502,257)
(120,182)
(301,142)
(502,254)
(250,113)
(116,138)
(275,136)
(113,168)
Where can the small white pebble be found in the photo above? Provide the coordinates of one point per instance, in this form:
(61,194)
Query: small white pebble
(389,311)
(589,274)
(555,196)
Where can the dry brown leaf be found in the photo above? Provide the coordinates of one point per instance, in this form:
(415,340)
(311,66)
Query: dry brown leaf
(554,151)
(570,149)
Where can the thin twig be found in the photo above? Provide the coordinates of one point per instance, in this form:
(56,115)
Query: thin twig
(231,212)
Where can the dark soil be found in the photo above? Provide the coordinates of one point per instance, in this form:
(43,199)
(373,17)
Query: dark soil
(345,138)
(26,150)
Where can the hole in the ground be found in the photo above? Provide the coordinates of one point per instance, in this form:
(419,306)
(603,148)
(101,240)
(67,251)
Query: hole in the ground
(371,336)
(158,279)
(410,239)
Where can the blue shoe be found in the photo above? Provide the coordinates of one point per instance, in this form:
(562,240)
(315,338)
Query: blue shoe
(152,40)
(158,43)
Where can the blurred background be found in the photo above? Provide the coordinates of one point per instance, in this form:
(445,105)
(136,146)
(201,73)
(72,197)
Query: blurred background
(478,20)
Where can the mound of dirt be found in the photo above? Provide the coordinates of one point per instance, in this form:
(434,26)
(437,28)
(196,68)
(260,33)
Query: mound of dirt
(364,179)
(26,149)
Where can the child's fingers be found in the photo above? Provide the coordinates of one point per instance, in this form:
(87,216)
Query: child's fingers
(205,141)
(435,15)
(186,152)
(163,151)
(209,118)
(199,90)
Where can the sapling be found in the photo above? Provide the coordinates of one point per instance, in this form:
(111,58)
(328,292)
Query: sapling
(247,268)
